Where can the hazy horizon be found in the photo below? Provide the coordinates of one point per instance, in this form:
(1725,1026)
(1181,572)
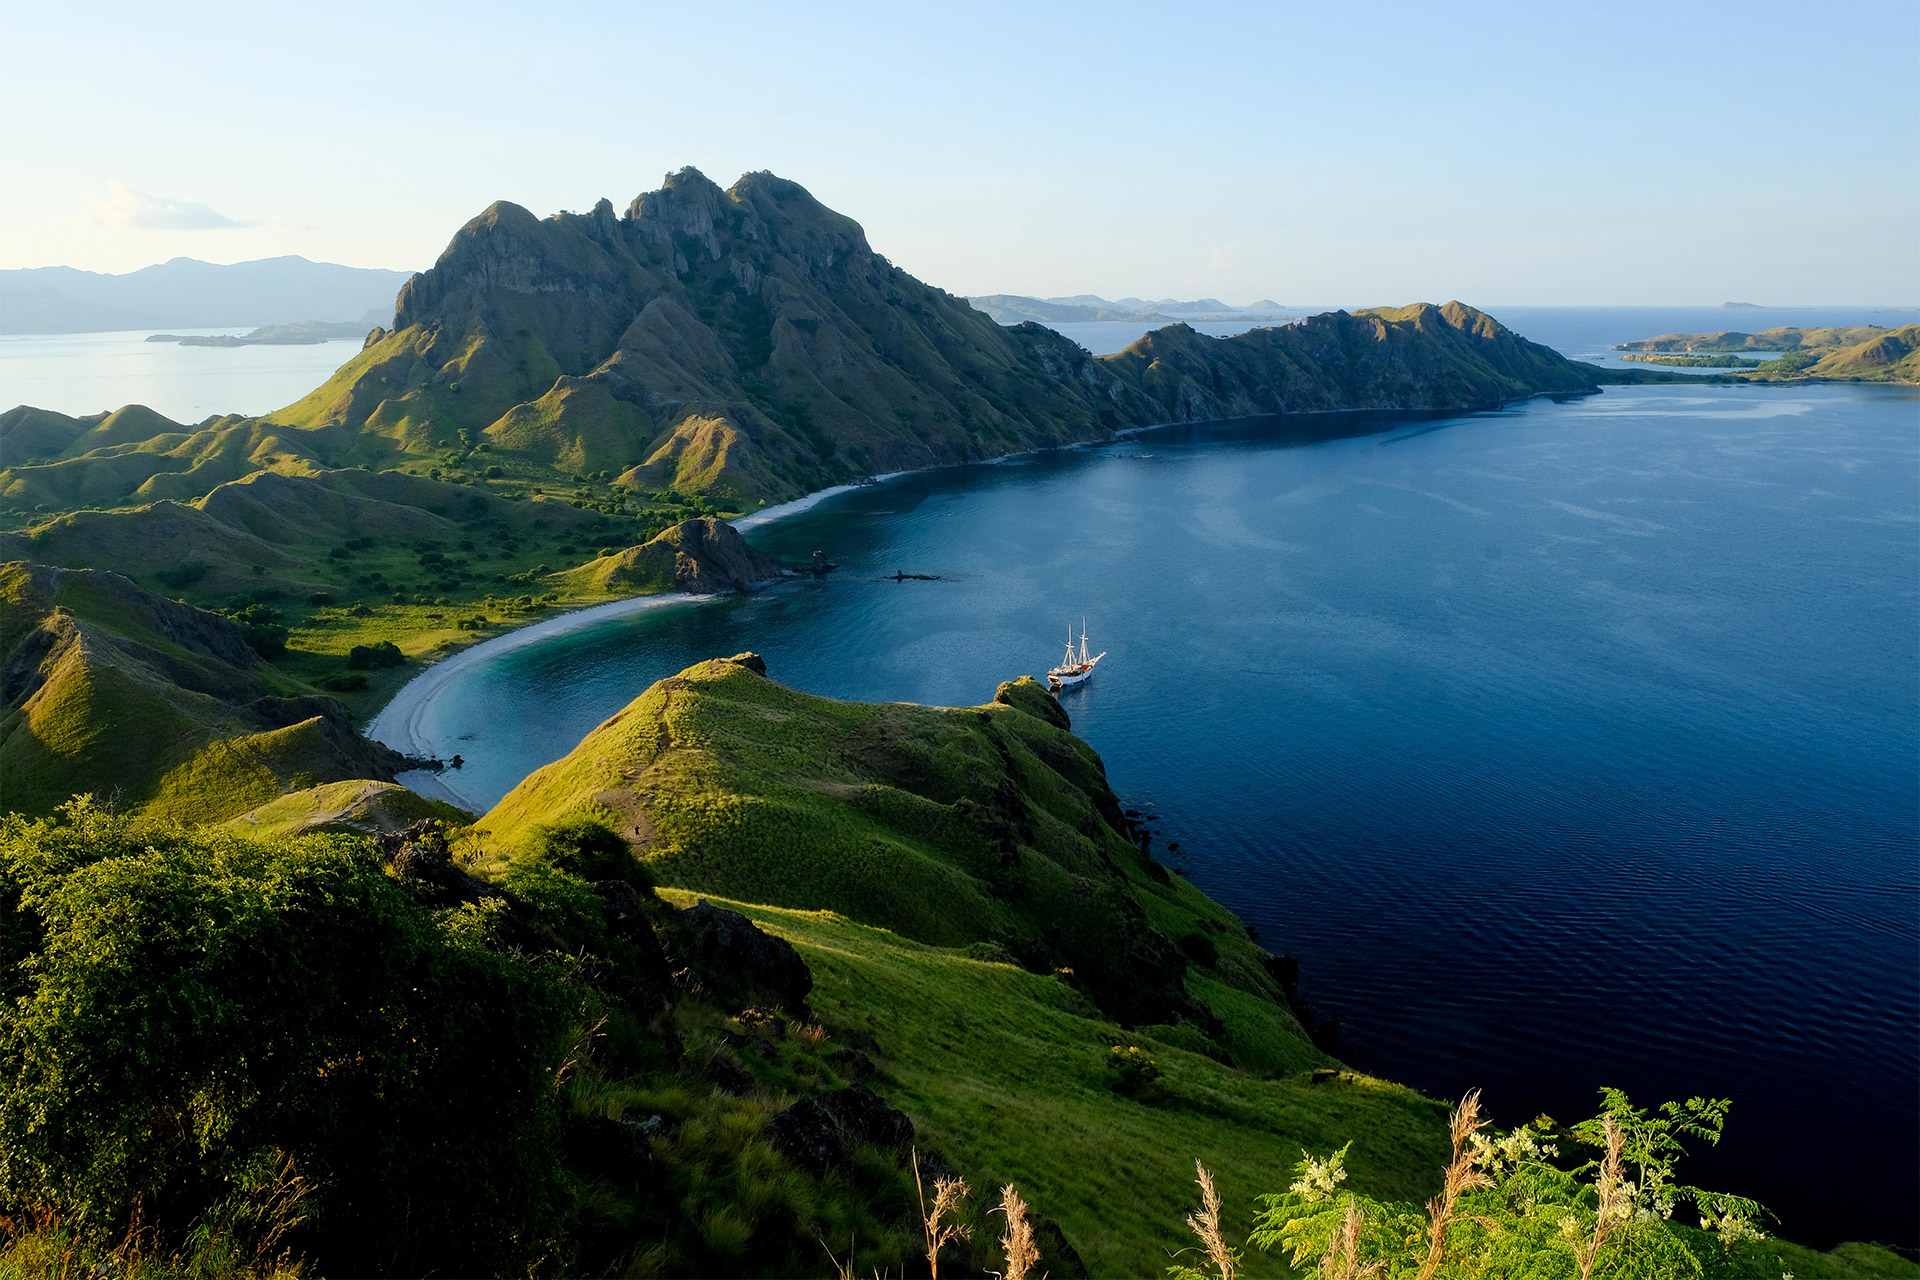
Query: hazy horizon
(1566,155)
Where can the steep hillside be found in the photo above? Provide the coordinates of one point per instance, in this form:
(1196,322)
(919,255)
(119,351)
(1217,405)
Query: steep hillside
(746,342)
(736,347)
(704,556)
(154,705)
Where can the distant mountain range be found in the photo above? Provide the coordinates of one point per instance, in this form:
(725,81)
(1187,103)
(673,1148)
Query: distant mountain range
(186,293)
(1014,308)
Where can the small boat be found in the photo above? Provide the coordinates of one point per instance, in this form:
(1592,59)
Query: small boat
(1076,667)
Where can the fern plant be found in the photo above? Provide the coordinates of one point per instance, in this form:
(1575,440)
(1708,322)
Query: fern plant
(1514,1206)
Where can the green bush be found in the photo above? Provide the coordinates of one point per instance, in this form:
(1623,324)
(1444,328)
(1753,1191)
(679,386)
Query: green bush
(1131,1072)
(265,633)
(381,653)
(196,1008)
(591,851)
(1200,949)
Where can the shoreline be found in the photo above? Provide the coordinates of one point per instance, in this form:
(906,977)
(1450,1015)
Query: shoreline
(398,722)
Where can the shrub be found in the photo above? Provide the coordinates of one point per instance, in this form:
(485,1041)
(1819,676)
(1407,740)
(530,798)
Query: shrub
(320,598)
(1131,1072)
(202,1007)
(590,850)
(263,629)
(381,653)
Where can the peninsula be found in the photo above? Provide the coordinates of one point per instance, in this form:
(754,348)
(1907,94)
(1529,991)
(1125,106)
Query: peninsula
(1861,353)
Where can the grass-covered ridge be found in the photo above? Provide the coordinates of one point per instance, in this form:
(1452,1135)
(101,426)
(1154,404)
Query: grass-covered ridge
(991,826)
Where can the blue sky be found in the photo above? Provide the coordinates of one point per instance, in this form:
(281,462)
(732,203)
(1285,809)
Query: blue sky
(1342,154)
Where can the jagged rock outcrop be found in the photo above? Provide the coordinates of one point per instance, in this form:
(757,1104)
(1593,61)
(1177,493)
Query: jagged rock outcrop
(704,556)
(750,343)
(735,960)
(746,342)
(817,1132)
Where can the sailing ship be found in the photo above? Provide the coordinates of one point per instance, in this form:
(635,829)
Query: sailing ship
(1076,667)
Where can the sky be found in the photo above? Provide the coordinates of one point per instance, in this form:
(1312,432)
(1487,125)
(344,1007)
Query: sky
(1341,154)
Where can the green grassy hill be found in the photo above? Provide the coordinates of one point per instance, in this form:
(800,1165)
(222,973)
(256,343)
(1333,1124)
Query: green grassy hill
(155,705)
(989,825)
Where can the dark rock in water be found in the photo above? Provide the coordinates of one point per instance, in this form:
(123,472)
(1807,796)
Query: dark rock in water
(852,1064)
(737,962)
(863,1117)
(751,661)
(609,1148)
(1284,970)
(820,566)
(1326,1035)
(807,1134)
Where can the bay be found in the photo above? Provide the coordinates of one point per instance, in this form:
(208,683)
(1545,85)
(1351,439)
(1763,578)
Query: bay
(1569,745)
(83,373)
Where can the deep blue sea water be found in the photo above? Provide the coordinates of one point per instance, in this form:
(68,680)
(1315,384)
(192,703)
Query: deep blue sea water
(1567,745)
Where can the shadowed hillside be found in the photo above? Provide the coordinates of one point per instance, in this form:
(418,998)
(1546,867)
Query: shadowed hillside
(110,689)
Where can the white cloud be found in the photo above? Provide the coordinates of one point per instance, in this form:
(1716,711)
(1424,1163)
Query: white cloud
(124,207)
(1220,259)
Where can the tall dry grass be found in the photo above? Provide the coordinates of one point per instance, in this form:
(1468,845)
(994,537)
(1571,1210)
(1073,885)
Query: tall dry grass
(1342,1258)
(1205,1226)
(937,1222)
(1462,1176)
(1016,1242)
(1616,1202)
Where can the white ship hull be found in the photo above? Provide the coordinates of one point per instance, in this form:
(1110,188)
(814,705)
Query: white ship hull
(1075,668)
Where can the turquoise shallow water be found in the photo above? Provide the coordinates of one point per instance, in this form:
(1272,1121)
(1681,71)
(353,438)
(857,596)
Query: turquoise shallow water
(1569,745)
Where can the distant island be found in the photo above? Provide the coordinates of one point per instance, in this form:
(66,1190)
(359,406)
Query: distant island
(1856,353)
(1013,308)
(186,293)
(1677,362)
(304,333)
